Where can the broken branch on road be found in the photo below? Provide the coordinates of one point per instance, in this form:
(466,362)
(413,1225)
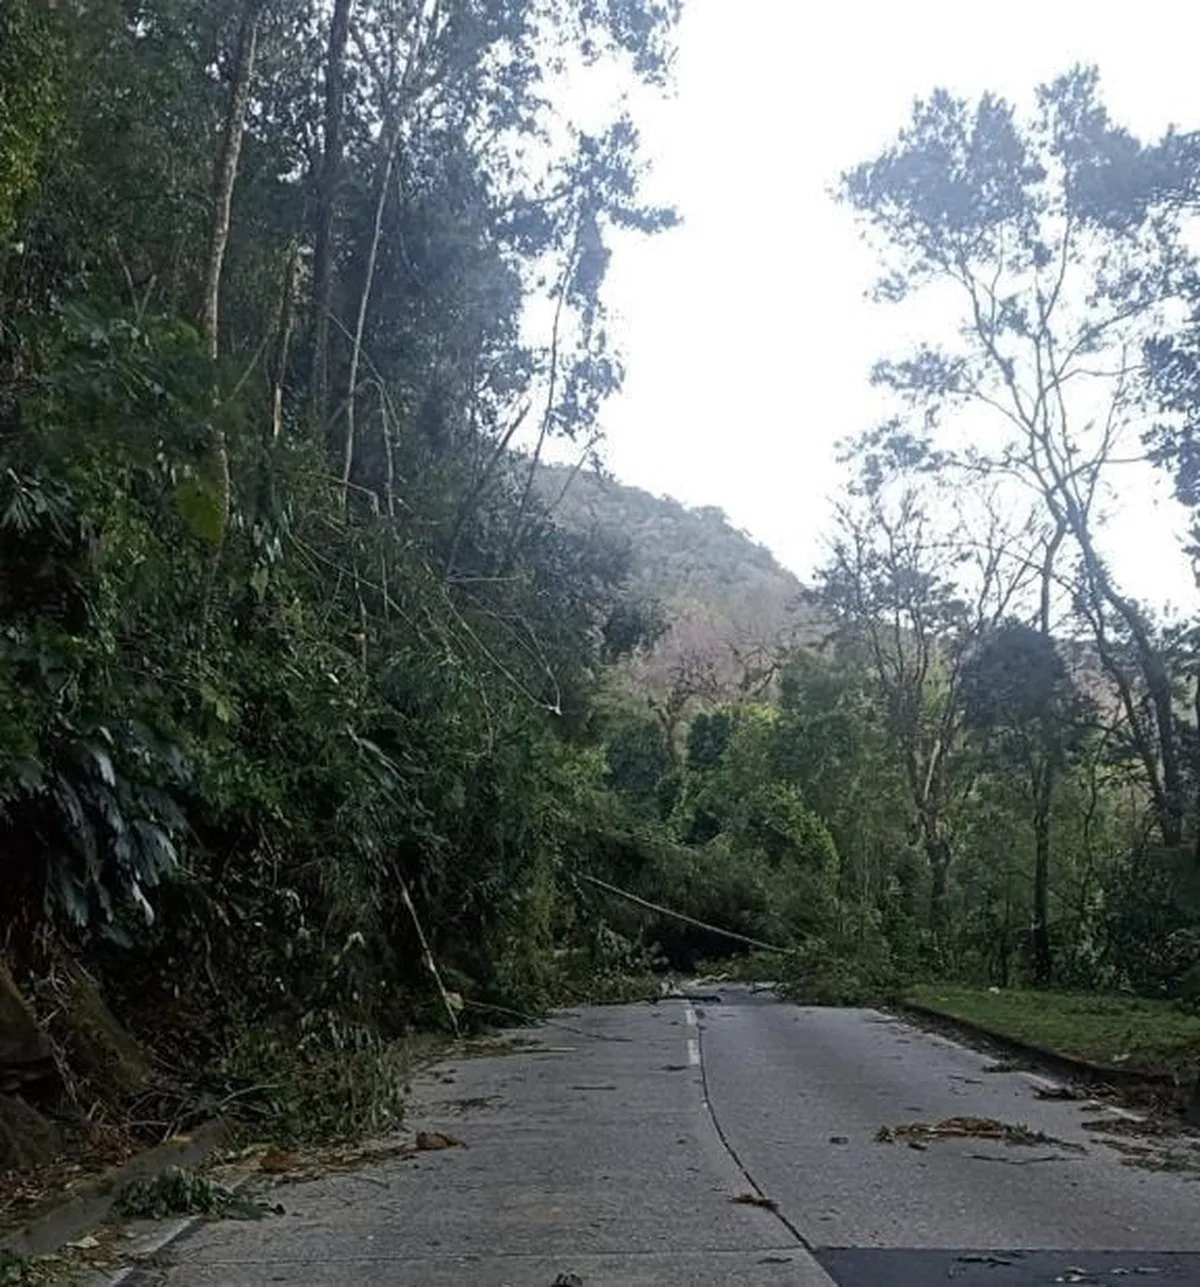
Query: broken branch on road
(918,1134)
(755,1200)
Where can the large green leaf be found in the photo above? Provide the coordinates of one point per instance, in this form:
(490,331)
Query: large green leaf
(199,505)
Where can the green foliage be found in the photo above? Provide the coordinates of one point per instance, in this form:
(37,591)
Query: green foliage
(323,1080)
(30,1271)
(299,681)
(1016,689)
(179,1191)
(638,763)
(740,851)
(1151,925)
(841,972)
(31,67)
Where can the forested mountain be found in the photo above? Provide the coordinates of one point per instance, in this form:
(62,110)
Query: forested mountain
(729,609)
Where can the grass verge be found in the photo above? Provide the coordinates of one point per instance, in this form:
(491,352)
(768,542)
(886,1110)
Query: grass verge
(1129,1033)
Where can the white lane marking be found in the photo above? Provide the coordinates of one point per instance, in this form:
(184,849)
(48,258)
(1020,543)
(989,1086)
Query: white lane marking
(1046,1083)
(1039,1082)
(693,1052)
(690,1015)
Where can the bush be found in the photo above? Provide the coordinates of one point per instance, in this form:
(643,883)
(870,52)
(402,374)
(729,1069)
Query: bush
(839,972)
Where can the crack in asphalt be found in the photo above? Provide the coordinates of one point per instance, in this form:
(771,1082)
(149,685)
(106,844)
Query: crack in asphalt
(769,1203)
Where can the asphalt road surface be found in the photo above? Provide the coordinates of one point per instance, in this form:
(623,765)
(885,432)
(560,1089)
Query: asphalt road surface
(611,1151)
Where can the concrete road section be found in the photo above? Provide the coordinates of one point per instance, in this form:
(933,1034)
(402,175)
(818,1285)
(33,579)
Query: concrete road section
(588,1158)
(801,1094)
(610,1152)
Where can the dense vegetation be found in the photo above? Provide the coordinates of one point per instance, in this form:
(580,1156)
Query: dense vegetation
(999,738)
(321,710)
(294,669)
(731,609)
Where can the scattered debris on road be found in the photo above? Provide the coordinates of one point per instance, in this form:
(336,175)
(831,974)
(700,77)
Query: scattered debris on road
(296,1166)
(1149,1143)
(1060,1091)
(276,1162)
(178,1191)
(755,1200)
(470,1104)
(984,1128)
(1021,1161)
(431,1141)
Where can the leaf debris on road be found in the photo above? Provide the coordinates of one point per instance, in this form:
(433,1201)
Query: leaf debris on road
(1061,1091)
(984,1128)
(431,1141)
(755,1200)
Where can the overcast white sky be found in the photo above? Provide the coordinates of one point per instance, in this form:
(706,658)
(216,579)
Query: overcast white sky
(746,334)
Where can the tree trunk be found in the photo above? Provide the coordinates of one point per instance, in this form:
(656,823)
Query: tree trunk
(1005,946)
(284,319)
(1166,780)
(389,144)
(224,180)
(327,185)
(1042,957)
(938,853)
(1042,781)
(1196,800)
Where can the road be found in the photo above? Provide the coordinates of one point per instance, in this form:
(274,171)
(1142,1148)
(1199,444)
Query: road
(607,1151)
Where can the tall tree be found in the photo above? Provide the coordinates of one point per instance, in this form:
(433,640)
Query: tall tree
(895,586)
(1017,693)
(1054,298)
(327,181)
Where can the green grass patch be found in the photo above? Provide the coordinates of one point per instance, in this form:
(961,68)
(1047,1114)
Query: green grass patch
(1112,1031)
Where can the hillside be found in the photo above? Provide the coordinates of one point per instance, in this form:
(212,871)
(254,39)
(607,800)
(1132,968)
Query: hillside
(729,602)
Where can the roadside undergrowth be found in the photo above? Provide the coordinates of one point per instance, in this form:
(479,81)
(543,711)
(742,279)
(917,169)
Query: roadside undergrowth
(297,1093)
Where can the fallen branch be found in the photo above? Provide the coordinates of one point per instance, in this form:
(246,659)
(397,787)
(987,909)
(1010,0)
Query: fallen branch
(680,916)
(427,958)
